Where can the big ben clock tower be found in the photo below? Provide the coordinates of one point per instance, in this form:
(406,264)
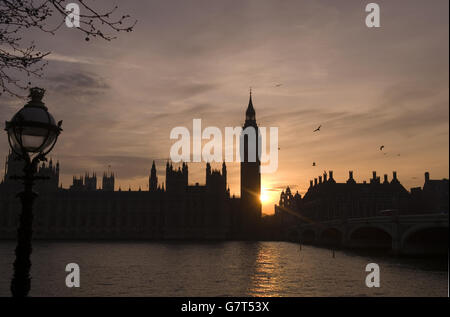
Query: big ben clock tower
(250,172)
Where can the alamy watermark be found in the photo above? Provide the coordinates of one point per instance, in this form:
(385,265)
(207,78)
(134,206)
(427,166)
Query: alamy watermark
(73,15)
(373,18)
(373,278)
(73,278)
(234,138)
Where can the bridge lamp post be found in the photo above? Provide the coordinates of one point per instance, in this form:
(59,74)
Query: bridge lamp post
(32,134)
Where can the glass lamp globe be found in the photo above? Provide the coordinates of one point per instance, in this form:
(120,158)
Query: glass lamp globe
(33,129)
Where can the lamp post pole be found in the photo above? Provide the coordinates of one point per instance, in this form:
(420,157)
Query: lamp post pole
(31,132)
(20,284)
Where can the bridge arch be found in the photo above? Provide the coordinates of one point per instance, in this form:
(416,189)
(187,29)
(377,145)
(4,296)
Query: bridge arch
(427,238)
(369,236)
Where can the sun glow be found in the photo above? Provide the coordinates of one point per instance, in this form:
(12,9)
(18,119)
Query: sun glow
(264,197)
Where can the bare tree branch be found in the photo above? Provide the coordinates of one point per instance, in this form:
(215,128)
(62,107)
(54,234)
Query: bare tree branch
(18,16)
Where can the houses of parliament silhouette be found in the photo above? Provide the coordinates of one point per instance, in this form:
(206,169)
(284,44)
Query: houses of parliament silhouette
(177,210)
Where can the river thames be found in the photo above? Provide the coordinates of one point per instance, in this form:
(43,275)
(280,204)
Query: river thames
(219,269)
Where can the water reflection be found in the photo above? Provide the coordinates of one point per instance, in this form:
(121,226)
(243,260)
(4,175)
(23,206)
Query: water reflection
(266,271)
(217,269)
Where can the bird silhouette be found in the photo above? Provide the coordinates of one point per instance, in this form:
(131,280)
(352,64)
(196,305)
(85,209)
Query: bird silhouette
(278,85)
(381,148)
(314,164)
(318,129)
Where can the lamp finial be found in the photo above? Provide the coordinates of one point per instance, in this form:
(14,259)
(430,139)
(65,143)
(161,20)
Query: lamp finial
(36,94)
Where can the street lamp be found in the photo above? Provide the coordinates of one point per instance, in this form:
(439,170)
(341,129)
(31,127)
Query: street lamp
(32,134)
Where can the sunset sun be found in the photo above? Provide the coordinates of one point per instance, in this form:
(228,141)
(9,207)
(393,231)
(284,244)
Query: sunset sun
(264,197)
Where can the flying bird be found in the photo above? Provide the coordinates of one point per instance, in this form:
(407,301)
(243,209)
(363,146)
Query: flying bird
(278,85)
(314,164)
(381,148)
(318,129)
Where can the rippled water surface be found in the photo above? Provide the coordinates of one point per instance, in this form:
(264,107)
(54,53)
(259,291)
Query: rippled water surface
(219,269)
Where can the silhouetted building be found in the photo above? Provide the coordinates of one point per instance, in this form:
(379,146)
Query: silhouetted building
(433,197)
(250,173)
(50,171)
(176,179)
(180,211)
(14,167)
(89,183)
(176,211)
(153,179)
(108,182)
(328,200)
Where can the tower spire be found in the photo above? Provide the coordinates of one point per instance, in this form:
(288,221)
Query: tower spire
(153,179)
(250,113)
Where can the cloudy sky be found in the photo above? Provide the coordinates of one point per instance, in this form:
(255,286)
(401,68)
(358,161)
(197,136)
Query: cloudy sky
(189,59)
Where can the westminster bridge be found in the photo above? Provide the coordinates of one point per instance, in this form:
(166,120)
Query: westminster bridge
(402,234)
